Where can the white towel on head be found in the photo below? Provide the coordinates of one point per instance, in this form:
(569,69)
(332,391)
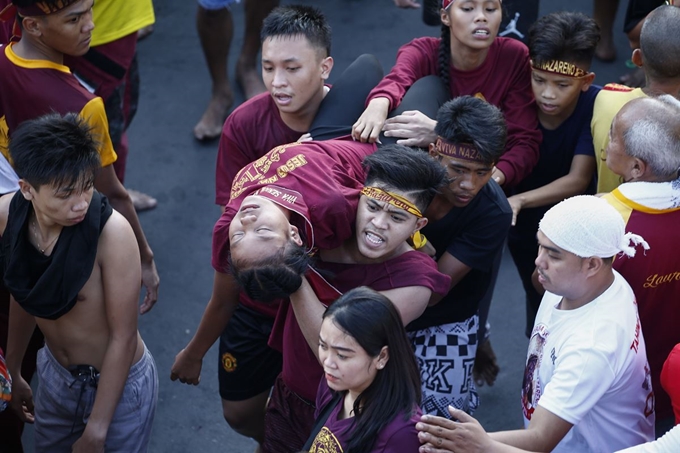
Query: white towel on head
(589,226)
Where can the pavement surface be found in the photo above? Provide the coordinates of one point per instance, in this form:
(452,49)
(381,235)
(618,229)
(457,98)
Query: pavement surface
(166,162)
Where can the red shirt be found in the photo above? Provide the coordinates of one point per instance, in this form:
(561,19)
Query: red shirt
(504,80)
(250,131)
(320,182)
(301,369)
(670,379)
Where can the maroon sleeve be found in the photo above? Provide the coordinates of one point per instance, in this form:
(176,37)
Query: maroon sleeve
(519,108)
(220,241)
(415,60)
(230,159)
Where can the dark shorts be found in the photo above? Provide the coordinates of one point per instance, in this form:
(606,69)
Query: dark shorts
(288,422)
(247,365)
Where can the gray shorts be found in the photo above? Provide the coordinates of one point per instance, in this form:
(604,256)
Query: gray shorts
(63,405)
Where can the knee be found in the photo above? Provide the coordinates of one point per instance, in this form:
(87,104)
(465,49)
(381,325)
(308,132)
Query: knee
(242,418)
(369,64)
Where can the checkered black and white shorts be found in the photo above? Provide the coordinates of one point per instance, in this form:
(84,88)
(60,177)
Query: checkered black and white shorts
(445,356)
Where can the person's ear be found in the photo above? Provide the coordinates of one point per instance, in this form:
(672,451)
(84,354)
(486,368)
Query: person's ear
(31,26)
(636,58)
(639,168)
(593,265)
(383,358)
(431,150)
(26,189)
(444,16)
(295,235)
(420,224)
(587,80)
(326,67)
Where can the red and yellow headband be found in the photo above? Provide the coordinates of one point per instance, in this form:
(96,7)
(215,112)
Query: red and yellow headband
(560,67)
(447,3)
(392,198)
(458,150)
(37,9)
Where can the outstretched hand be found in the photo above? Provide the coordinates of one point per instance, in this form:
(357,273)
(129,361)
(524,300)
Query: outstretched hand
(370,123)
(440,435)
(22,400)
(151,282)
(412,127)
(516,203)
(187,368)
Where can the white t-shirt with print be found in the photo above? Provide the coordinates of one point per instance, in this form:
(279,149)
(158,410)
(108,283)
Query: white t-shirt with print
(588,366)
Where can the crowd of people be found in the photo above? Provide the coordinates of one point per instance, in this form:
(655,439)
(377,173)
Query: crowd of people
(361,233)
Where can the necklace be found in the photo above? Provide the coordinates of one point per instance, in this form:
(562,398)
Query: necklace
(37,238)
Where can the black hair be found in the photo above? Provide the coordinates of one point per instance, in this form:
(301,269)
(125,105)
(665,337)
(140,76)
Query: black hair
(566,36)
(55,150)
(373,321)
(445,55)
(398,167)
(467,119)
(274,277)
(298,20)
(660,43)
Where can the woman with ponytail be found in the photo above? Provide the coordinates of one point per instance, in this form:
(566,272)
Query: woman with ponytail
(468,59)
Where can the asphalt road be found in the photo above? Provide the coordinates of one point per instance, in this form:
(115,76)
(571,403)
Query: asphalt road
(168,163)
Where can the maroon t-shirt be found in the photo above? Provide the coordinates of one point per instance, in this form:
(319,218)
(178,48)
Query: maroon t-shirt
(399,436)
(655,280)
(251,130)
(320,182)
(301,369)
(504,80)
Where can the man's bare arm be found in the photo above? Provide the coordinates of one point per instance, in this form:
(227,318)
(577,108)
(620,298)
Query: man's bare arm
(21,327)
(411,302)
(223,302)
(454,268)
(107,183)
(466,435)
(118,257)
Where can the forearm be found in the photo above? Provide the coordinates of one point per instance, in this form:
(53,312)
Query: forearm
(223,302)
(308,312)
(21,327)
(115,369)
(554,192)
(519,440)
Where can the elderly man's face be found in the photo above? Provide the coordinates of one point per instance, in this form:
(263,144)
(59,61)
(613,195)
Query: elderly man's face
(617,160)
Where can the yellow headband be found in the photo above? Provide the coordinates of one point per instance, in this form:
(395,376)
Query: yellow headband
(560,67)
(391,198)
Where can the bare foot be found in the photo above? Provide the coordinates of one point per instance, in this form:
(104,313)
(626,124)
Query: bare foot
(249,80)
(142,201)
(605,50)
(210,125)
(486,367)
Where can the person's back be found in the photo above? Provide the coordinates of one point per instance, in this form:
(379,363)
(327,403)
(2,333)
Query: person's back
(659,37)
(645,151)
(71,262)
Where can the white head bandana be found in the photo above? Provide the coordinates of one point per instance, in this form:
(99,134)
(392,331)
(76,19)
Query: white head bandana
(589,226)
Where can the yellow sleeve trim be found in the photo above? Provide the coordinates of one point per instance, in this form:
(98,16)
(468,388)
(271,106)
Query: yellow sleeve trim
(33,64)
(4,138)
(95,115)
